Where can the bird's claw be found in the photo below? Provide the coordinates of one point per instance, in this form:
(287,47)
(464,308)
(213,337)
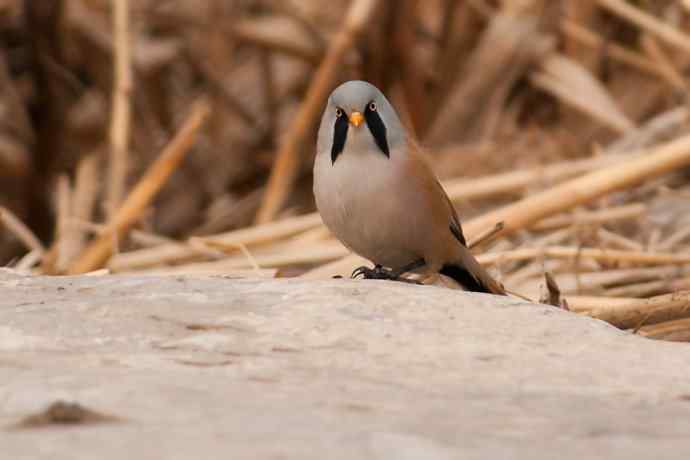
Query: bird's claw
(376,273)
(380,273)
(364,272)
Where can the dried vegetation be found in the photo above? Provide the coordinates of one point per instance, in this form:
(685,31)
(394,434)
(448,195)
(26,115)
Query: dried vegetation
(176,136)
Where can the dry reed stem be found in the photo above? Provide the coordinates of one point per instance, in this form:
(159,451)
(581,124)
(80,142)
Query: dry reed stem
(677,330)
(664,126)
(654,239)
(270,103)
(461,25)
(251,236)
(556,238)
(29,260)
(296,255)
(568,80)
(663,159)
(676,238)
(86,186)
(585,189)
(627,313)
(215,268)
(288,158)
(506,47)
(64,214)
(446,33)
(638,290)
(121,111)
(404,39)
(210,245)
(663,63)
(217,79)
(553,292)
(598,281)
(518,181)
(55,260)
(618,52)
(604,255)
(286,255)
(98,252)
(319,233)
(142,238)
(99,272)
(486,236)
(534,272)
(602,216)
(586,14)
(21,231)
(279,35)
(615,241)
(303,20)
(649,23)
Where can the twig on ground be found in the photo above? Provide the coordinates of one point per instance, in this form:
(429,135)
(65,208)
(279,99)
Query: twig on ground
(606,255)
(677,330)
(251,236)
(628,313)
(553,293)
(21,231)
(486,236)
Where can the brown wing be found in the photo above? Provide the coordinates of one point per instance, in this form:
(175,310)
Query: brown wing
(468,261)
(467,266)
(455,226)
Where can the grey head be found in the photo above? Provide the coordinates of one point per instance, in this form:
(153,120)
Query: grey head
(358,117)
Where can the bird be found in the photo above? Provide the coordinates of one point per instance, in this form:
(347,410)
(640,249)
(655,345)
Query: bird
(379,196)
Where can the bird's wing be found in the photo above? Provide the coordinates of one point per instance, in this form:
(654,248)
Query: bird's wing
(455,226)
(419,161)
(467,261)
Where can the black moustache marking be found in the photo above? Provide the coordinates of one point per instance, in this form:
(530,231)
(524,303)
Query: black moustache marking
(377,129)
(339,136)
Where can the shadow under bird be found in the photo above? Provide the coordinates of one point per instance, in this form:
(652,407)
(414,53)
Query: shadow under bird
(380,198)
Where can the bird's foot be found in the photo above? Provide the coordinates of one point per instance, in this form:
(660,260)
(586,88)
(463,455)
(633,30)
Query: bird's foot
(380,273)
(376,273)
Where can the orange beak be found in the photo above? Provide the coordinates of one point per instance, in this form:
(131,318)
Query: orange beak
(356,118)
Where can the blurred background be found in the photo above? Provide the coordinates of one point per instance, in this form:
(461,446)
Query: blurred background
(509,98)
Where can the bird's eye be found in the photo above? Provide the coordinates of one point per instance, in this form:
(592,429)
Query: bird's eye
(372,106)
(338,112)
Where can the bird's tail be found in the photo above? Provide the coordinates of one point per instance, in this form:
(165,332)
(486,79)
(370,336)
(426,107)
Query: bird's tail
(475,279)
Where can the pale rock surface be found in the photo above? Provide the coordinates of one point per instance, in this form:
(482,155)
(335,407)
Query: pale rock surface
(213,368)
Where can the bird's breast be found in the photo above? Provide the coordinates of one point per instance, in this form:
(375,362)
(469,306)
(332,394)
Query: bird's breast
(357,199)
(348,189)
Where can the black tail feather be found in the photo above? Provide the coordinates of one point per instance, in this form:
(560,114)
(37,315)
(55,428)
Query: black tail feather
(465,278)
